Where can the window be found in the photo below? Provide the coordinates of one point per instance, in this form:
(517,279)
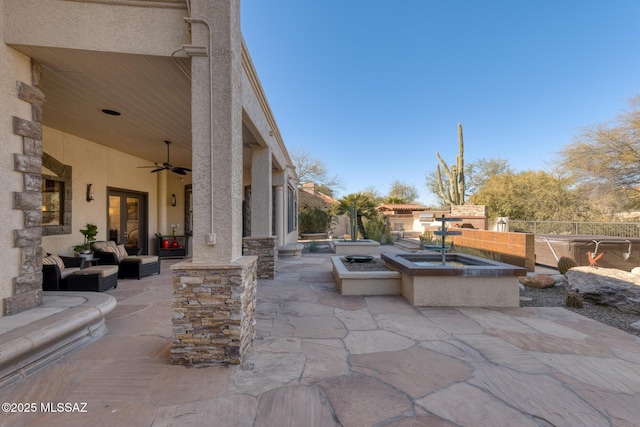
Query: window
(292,210)
(52,201)
(56,193)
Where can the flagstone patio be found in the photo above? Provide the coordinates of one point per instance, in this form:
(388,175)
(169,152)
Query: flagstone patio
(322,359)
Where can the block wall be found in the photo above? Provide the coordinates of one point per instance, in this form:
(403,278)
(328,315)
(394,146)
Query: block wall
(514,248)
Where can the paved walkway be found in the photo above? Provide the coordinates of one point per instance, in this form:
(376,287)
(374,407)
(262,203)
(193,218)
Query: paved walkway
(321,359)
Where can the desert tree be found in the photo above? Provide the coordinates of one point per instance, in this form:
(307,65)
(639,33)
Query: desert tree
(401,193)
(606,158)
(313,170)
(531,195)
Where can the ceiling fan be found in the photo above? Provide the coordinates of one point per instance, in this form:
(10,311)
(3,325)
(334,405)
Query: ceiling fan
(167,165)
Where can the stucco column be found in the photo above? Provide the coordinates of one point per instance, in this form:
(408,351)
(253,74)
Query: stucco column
(217,131)
(278,184)
(261,192)
(279,208)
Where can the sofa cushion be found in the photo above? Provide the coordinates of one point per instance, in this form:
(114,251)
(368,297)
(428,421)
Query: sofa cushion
(102,270)
(68,272)
(142,259)
(53,260)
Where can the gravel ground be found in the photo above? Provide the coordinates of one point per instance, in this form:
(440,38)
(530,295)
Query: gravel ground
(555,297)
(551,297)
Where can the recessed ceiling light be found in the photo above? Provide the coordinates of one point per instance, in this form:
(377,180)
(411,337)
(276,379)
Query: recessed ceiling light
(111,112)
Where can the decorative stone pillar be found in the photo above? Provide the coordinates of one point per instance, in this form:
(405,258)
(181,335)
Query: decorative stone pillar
(215,292)
(213,312)
(216,123)
(27,292)
(266,249)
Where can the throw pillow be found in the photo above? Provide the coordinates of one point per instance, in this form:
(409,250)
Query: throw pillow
(121,251)
(53,260)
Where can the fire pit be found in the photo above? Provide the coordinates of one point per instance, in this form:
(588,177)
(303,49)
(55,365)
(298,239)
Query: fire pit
(359,258)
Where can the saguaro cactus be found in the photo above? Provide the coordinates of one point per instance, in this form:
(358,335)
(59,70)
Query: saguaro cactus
(453,194)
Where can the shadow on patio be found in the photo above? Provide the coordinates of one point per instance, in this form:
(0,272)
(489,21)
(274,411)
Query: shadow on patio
(323,359)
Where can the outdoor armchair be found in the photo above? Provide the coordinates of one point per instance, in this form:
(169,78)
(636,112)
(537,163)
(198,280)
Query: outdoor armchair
(57,269)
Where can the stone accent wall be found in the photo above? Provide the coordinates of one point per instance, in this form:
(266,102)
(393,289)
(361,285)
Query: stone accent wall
(27,288)
(213,312)
(514,248)
(266,249)
(469,210)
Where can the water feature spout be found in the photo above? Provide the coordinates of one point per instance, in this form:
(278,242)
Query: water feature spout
(445,233)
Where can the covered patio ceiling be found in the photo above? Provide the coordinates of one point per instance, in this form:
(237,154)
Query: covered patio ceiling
(151,93)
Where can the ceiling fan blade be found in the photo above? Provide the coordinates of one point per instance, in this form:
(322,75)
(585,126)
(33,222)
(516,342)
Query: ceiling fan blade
(167,165)
(146,167)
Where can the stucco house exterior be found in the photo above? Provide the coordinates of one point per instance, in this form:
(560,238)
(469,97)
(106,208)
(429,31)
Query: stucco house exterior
(89,93)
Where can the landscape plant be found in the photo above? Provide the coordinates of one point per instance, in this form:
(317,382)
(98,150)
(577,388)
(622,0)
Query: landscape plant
(427,238)
(377,229)
(89,232)
(360,206)
(453,193)
(313,220)
(565,264)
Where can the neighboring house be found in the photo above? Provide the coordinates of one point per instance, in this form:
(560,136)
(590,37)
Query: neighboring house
(310,196)
(403,218)
(89,92)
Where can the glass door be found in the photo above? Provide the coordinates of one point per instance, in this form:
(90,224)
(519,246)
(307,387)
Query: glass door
(127,218)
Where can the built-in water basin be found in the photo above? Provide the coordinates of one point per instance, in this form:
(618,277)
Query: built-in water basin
(464,280)
(358,247)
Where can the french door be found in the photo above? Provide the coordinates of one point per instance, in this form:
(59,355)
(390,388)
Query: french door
(127,218)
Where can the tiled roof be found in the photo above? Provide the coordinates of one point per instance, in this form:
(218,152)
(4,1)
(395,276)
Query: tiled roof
(402,207)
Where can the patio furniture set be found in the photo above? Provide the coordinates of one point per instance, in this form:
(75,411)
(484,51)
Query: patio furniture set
(61,273)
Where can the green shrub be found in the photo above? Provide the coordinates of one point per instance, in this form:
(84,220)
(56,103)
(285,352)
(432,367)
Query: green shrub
(313,220)
(376,228)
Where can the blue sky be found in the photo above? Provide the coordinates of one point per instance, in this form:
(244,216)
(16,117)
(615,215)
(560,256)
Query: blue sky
(374,88)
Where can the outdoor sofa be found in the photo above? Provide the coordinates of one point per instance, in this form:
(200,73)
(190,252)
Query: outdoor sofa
(129,261)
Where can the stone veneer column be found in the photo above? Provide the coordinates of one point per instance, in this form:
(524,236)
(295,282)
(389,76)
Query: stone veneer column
(266,249)
(213,312)
(215,292)
(27,292)
(216,123)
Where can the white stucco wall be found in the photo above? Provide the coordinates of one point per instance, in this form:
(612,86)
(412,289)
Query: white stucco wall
(103,167)
(175,214)
(13,67)
(93,26)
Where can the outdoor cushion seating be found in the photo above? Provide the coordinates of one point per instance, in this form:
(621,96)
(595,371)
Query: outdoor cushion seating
(97,279)
(129,261)
(57,269)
